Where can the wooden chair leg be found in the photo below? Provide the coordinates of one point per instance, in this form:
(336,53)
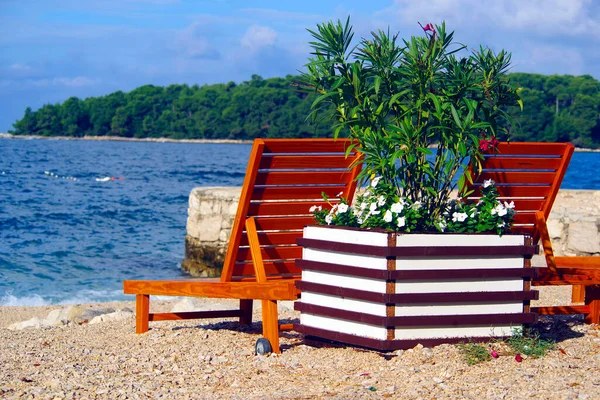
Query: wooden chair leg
(271,323)
(578,294)
(142,312)
(592,299)
(246,309)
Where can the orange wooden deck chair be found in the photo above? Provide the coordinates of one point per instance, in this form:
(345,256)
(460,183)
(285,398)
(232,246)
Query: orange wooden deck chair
(530,174)
(284,178)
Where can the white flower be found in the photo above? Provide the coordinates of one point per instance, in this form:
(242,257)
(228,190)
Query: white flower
(488,183)
(500,210)
(375,181)
(416,205)
(328,219)
(360,220)
(387,217)
(373,207)
(381,201)
(401,222)
(397,207)
(342,208)
(459,217)
(442,225)
(363,205)
(502,224)
(339,194)
(315,208)
(510,205)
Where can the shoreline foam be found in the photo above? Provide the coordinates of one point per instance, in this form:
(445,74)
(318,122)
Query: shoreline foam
(169,140)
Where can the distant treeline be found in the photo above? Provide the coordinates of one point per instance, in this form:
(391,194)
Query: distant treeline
(556,108)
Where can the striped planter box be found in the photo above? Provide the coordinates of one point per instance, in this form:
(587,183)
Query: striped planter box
(392,291)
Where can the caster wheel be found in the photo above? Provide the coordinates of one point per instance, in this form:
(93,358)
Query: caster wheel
(263,346)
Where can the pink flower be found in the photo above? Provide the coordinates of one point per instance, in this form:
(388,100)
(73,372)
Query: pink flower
(494,354)
(428,28)
(488,144)
(518,358)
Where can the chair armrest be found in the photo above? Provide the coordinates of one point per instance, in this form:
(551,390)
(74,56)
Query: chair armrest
(257,260)
(542,228)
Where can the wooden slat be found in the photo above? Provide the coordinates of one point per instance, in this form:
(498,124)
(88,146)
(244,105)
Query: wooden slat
(272,253)
(274,238)
(524,230)
(561,310)
(522,163)
(518,191)
(283,223)
(275,290)
(524,218)
(271,268)
(194,315)
(305,162)
(306,146)
(287,207)
(532,148)
(303,178)
(516,177)
(580,262)
(295,192)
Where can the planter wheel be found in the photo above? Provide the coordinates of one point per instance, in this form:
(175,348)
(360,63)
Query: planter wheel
(263,346)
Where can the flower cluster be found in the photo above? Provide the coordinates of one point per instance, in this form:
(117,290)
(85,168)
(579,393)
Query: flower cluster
(380,207)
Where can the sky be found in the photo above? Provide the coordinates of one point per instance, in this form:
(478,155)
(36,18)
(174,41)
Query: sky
(51,50)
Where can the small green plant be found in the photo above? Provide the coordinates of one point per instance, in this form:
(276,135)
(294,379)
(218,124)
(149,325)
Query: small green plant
(474,353)
(523,342)
(529,342)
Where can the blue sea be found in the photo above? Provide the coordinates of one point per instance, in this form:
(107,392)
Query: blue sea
(79,217)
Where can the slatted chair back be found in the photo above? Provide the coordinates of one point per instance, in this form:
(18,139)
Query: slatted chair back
(284,178)
(530,174)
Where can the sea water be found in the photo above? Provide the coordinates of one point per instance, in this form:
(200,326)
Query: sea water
(79,217)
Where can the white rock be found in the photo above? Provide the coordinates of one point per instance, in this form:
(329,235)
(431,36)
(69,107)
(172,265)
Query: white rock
(33,323)
(114,316)
(196,304)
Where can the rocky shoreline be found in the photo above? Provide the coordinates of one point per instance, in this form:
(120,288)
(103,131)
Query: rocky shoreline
(124,139)
(214,359)
(160,140)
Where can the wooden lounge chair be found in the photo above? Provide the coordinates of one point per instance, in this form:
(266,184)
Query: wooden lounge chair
(284,178)
(530,174)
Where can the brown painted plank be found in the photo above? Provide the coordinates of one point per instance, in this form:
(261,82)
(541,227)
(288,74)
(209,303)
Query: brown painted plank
(303,178)
(518,191)
(274,238)
(271,268)
(533,148)
(280,208)
(283,223)
(271,253)
(306,145)
(522,163)
(517,177)
(195,315)
(296,162)
(560,310)
(277,290)
(295,192)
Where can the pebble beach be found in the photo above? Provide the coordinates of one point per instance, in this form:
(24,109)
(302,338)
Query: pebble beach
(214,359)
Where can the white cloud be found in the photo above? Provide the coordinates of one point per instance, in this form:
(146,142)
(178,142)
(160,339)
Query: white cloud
(192,42)
(79,81)
(20,67)
(551,60)
(544,17)
(257,37)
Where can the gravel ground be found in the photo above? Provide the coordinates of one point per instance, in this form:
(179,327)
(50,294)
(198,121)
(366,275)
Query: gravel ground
(212,359)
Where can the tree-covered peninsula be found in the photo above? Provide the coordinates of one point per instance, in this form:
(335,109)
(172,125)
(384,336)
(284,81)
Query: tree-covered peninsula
(556,108)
